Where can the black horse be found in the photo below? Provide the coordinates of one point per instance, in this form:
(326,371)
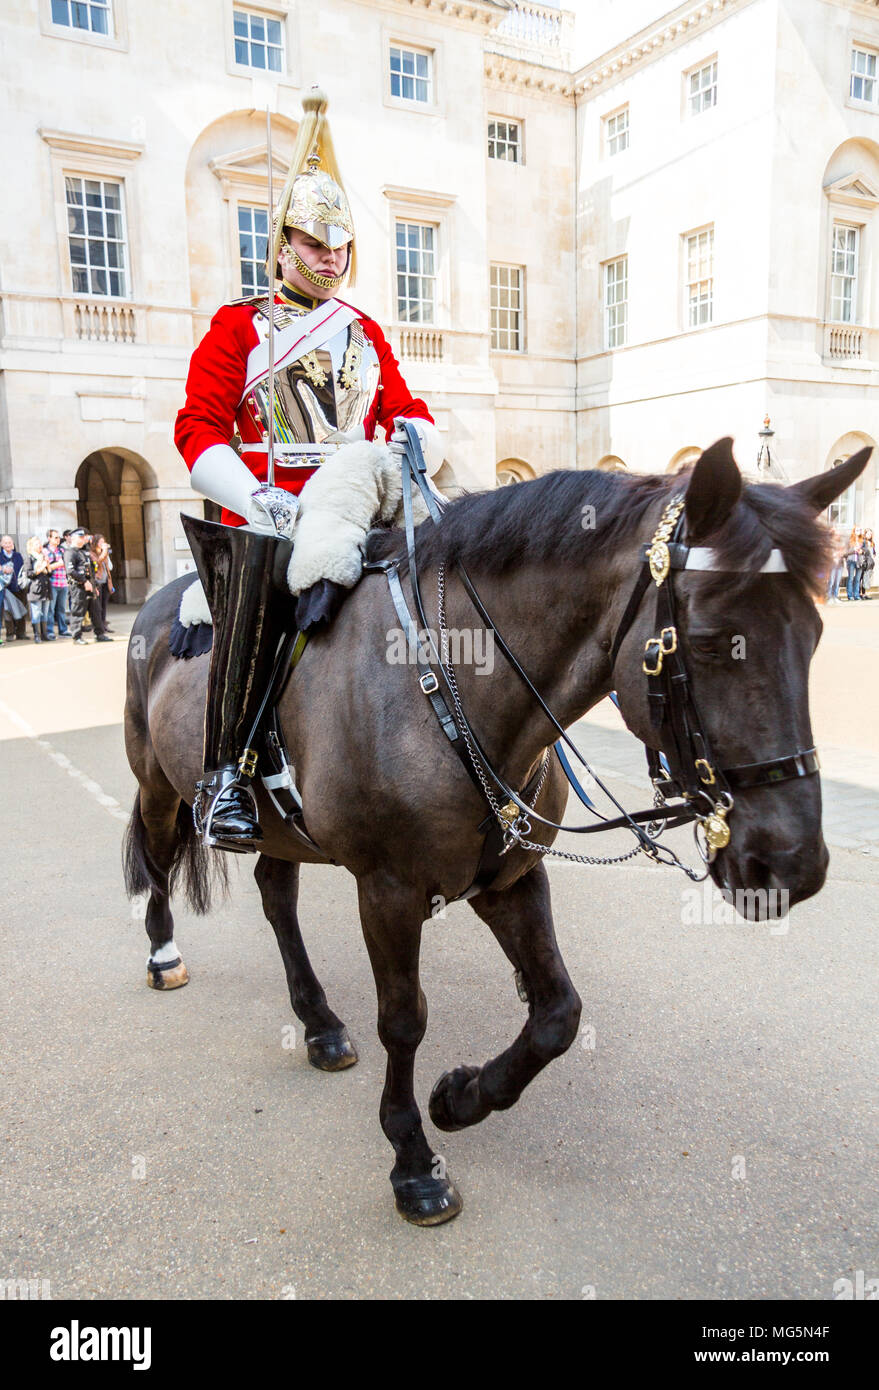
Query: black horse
(385,795)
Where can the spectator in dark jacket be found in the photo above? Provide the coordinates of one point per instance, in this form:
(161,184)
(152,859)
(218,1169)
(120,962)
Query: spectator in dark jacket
(84,596)
(14,611)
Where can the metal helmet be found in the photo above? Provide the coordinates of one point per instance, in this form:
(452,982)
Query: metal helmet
(313,200)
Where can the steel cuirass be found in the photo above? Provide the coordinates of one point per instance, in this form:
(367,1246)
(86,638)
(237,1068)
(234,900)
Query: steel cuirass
(329,388)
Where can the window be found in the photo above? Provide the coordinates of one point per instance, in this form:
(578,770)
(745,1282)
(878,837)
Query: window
(616,132)
(96,235)
(93,16)
(253,233)
(411,74)
(702,88)
(416,272)
(505,140)
(259,41)
(616,302)
(507,316)
(863,78)
(844,509)
(699,305)
(844,274)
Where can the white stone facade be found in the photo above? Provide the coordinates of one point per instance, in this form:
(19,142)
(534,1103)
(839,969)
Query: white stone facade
(91,383)
(783,156)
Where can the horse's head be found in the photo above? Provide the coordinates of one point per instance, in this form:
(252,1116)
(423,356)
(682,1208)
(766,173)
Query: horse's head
(746,637)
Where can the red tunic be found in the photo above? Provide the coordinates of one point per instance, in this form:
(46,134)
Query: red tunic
(217,375)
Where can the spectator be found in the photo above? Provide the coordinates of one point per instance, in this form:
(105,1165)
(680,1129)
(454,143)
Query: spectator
(39,588)
(103,565)
(58,570)
(852,557)
(837,565)
(14,611)
(83,591)
(869,549)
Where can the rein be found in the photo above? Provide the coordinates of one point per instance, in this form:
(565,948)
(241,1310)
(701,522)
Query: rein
(705,790)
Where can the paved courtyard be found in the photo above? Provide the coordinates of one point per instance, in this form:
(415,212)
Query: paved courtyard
(711,1133)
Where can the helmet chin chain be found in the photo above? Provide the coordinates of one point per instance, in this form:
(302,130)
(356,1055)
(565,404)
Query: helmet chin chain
(323,282)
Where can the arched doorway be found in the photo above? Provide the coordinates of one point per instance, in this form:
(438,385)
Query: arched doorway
(227,205)
(511,471)
(684,458)
(856,506)
(111,484)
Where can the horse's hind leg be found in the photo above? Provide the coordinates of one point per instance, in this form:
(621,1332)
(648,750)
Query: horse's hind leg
(391,919)
(326,1037)
(521,919)
(153,845)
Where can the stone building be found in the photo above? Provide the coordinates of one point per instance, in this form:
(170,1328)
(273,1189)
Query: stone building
(728,247)
(607,263)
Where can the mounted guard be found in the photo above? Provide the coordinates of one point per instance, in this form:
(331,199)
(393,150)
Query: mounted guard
(298,385)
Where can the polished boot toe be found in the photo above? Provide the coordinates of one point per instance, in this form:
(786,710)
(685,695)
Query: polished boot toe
(232,820)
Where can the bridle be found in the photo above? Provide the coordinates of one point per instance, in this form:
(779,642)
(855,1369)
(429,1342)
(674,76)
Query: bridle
(674,714)
(704,790)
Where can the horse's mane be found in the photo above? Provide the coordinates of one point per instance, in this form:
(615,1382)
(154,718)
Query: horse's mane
(511,527)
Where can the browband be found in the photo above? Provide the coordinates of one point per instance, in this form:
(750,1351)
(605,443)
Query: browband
(699,557)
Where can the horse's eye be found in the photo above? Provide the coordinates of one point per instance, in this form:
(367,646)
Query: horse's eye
(704,647)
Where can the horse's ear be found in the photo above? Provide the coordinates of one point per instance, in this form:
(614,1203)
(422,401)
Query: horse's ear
(824,488)
(714,489)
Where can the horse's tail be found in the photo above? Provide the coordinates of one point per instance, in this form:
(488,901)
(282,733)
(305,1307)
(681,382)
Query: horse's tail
(192,867)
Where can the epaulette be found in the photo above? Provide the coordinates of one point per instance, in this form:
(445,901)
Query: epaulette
(260,303)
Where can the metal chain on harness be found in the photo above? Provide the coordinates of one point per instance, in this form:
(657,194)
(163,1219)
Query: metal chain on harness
(517,826)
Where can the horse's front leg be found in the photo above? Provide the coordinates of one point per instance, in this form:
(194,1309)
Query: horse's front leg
(521,919)
(391,917)
(326,1038)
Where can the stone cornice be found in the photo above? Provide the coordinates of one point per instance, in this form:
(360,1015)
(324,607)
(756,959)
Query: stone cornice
(532,78)
(483,14)
(673,29)
(423,196)
(90,144)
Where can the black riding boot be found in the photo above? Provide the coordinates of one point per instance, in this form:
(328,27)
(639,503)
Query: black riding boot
(243,575)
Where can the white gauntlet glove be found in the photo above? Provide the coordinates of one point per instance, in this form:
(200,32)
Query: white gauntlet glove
(220,474)
(272,510)
(431,444)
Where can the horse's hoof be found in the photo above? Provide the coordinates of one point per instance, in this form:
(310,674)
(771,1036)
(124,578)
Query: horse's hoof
(331,1051)
(171,976)
(427,1201)
(442,1106)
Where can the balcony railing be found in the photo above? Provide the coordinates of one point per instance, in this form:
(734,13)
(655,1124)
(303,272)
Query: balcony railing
(537,24)
(78,318)
(541,33)
(844,341)
(421,344)
(104,321)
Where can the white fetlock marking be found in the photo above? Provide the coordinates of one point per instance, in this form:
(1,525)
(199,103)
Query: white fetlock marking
(164,954)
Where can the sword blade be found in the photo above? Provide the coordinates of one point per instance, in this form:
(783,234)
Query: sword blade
(271,275)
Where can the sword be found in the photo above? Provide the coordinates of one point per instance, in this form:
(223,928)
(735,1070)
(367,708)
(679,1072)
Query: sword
(271,274)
